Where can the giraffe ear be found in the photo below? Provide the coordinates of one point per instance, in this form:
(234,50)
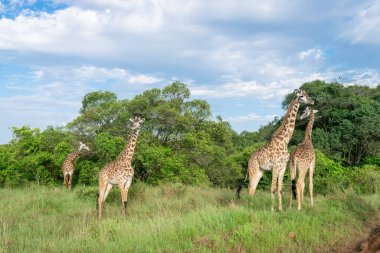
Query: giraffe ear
(315,111)
(142,120)
(131,120)
(297,91)
(80,143)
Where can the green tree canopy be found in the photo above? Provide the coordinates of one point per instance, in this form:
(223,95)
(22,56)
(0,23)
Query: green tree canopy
(348,120)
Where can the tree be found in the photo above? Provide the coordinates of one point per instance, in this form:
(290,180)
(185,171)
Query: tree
(101,111)
(347,121)
(181,142)
(108,147)
(26,140)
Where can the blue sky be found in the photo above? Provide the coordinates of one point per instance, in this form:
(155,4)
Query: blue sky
(242,56)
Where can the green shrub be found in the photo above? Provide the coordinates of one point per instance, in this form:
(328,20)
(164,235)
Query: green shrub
(328,175)
(87,172)
(108,147)
(366,179)
(194,176)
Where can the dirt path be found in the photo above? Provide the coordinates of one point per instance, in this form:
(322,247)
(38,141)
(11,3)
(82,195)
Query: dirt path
(370,244)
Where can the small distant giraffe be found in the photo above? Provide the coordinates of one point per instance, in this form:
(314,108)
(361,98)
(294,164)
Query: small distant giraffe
(120,171)
(303,159)
(274,155)
(68,165)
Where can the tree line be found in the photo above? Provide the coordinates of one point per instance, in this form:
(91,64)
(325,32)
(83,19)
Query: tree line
(182,142)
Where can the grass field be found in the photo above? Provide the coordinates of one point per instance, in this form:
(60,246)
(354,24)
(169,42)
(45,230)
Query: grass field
(176,218)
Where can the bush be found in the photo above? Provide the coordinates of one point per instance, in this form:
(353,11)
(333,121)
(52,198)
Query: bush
(87,172)
(328,175)
(108,147)
(194,176)
(366,179)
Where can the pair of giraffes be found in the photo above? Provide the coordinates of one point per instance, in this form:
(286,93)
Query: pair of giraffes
(273,156)
(118,172)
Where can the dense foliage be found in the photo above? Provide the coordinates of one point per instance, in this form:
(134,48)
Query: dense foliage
(347,124)
(181,142)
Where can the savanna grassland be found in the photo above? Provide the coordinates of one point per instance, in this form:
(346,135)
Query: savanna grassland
(186,163)
(178,218)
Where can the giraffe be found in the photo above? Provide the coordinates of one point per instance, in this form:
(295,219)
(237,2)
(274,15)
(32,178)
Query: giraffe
(68,165)
(120,171)
(303,158)
(274,155)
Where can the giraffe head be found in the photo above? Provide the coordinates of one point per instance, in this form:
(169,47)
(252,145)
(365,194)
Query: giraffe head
(83,146)
(136,122)
(307,112)
(303,97)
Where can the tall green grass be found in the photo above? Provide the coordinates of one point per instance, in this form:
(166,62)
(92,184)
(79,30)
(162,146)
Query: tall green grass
(176,218)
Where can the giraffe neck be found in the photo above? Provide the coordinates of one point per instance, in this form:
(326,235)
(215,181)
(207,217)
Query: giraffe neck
(285,131)
(309,127)
(74,155)
(126,156)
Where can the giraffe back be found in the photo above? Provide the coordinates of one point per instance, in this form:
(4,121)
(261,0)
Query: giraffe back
(115,171)
(68,163)
(268,155)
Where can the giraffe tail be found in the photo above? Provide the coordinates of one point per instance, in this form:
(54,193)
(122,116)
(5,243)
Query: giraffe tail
(67,178)
(293,174)
(241,186)
(294,189)
(97,201)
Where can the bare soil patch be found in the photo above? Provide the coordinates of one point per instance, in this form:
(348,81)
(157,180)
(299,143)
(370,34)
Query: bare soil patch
(370,244)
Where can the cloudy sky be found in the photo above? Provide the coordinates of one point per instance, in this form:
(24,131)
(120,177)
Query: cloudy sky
(241,56)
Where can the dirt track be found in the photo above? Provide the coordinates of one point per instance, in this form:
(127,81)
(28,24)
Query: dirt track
(370,244)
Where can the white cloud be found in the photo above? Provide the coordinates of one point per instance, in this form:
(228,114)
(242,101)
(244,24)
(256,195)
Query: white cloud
(91,73)
(251,117)
(367,77)
(54,95)
(240,89)
(46,104)
(313,53)
(143,79)
(214,9)
(277,89)
(365,26)
(221,48)
(71,31)
(102,74)
(38,74)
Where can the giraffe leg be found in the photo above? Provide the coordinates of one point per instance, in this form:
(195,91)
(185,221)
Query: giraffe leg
(70,181)
(280,184)
(300,182)
(311,172)
(275,172)
(68,176)
(104,189)
(255,174)
(303,190)
(64,179)
(124,187)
